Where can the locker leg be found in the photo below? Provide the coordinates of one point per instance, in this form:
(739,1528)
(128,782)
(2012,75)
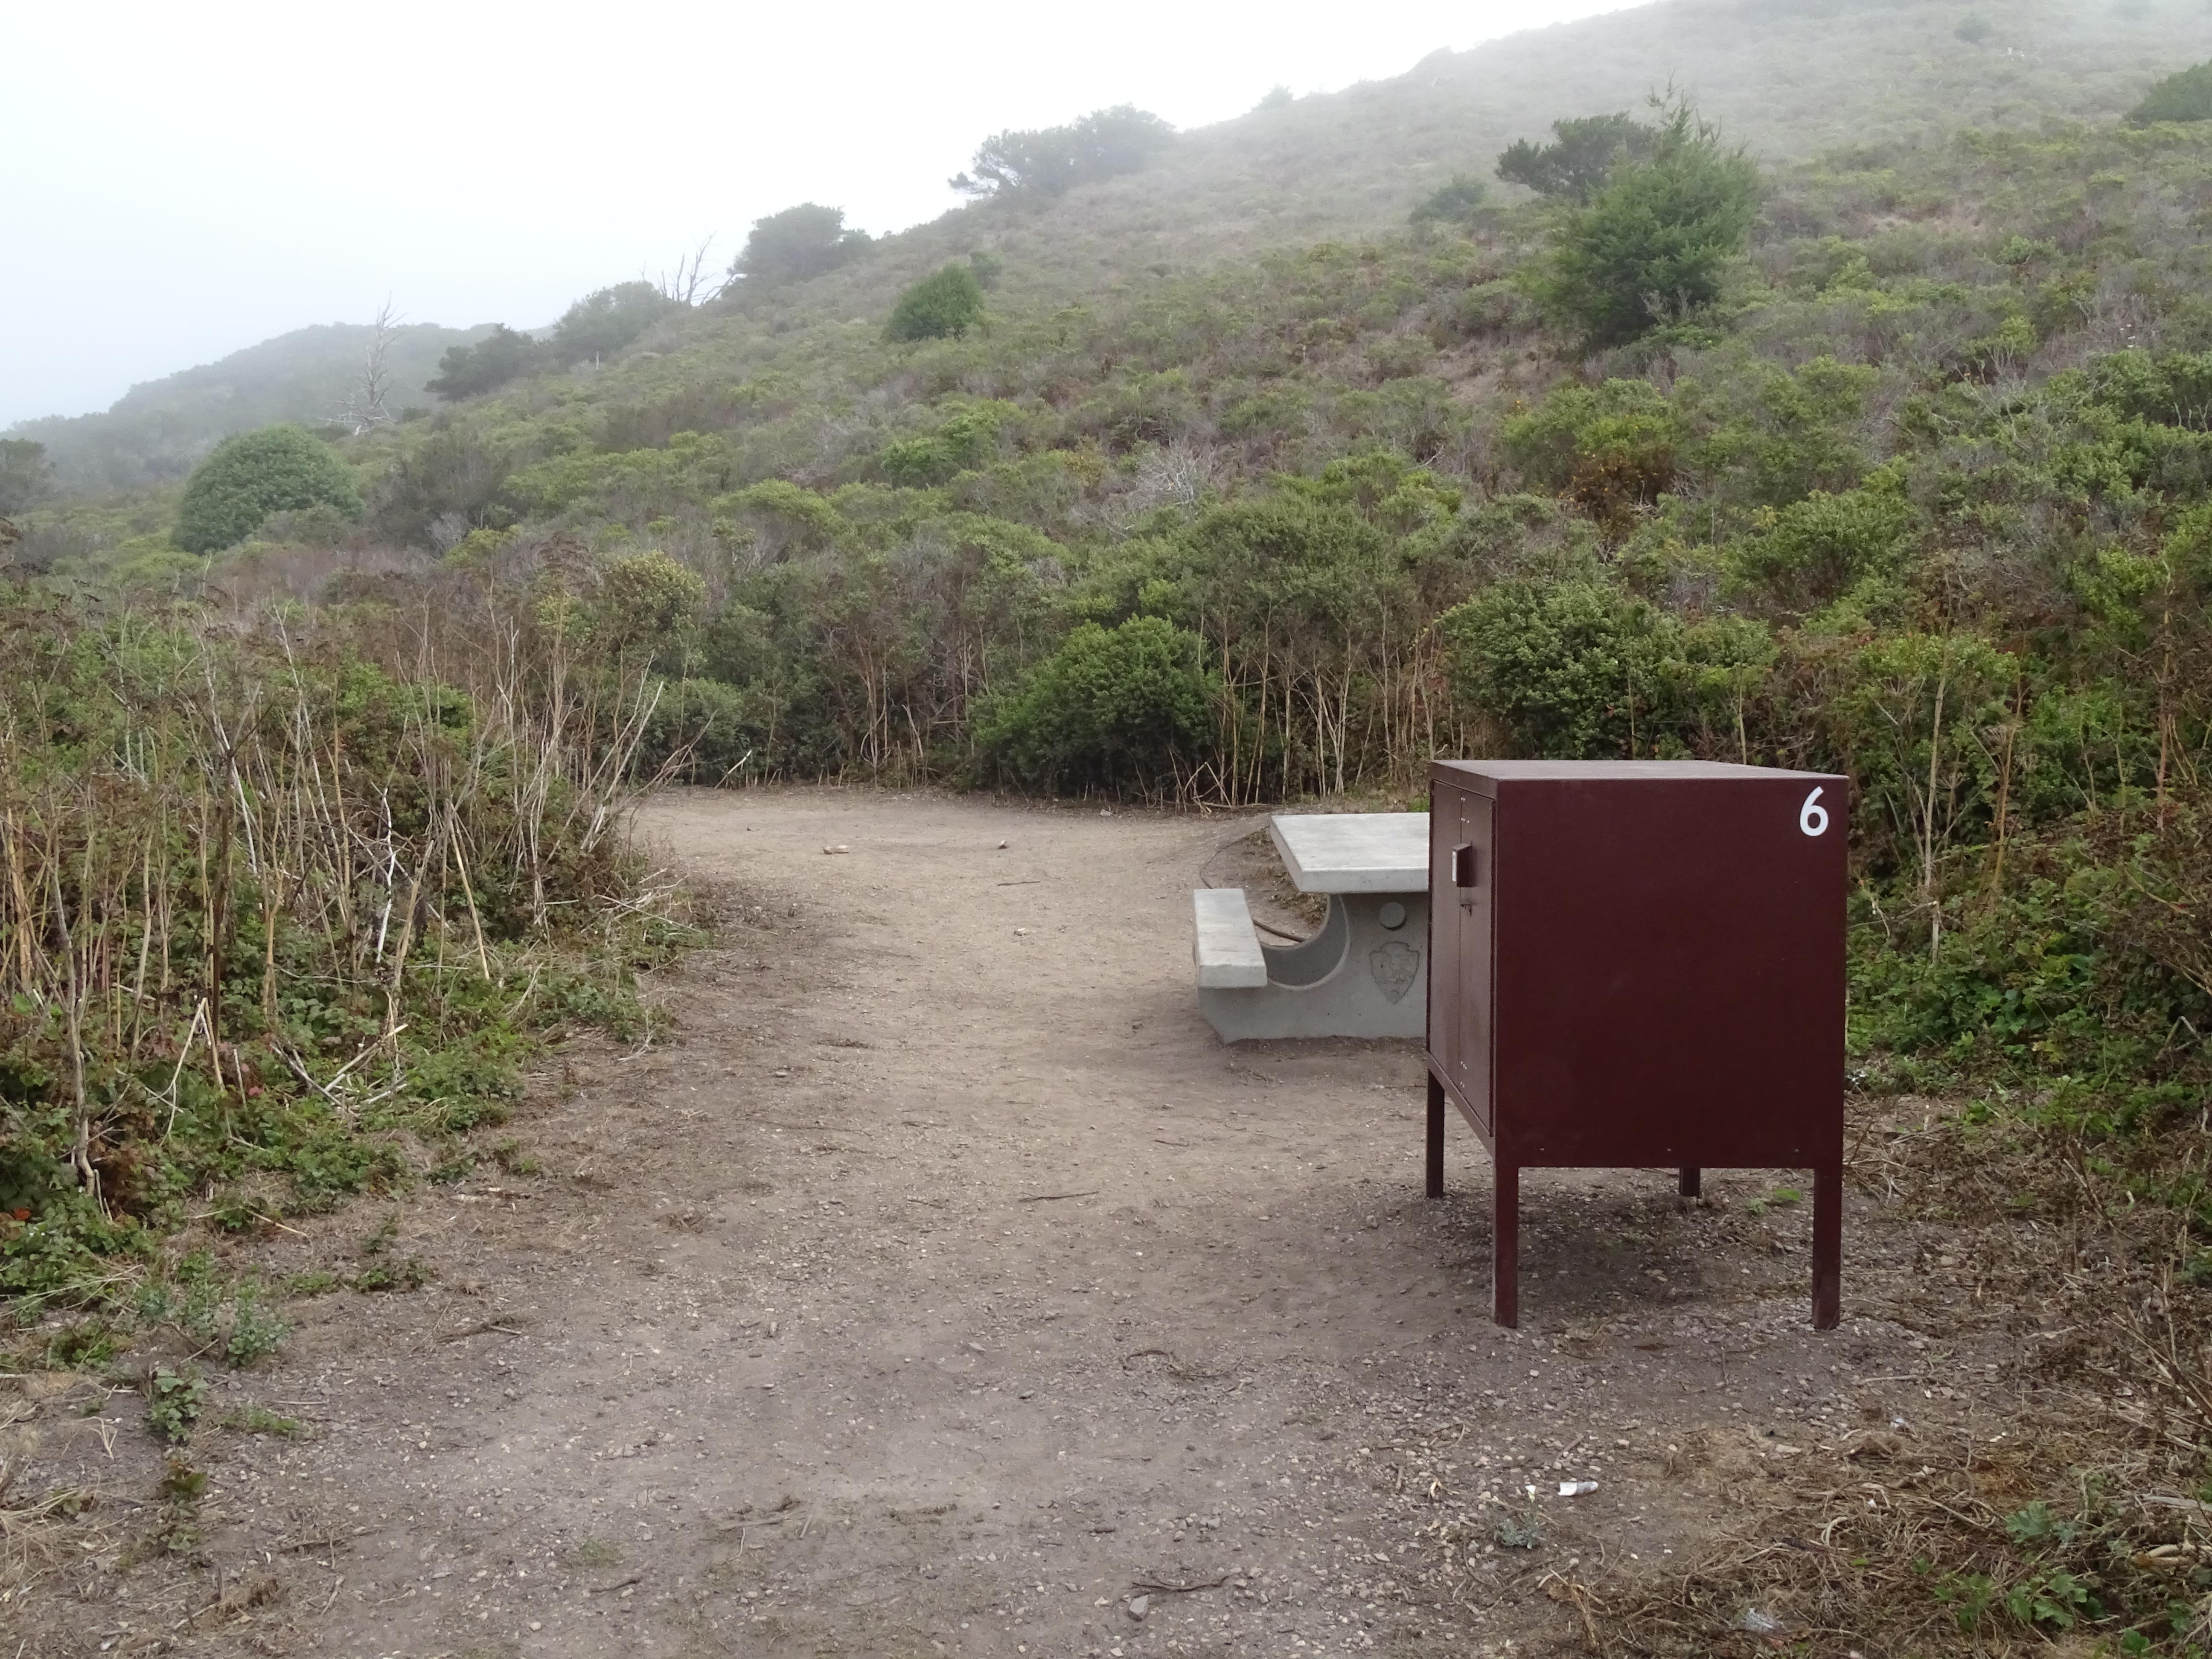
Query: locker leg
(1827,1246)
(1505,1247)
(1436,1137)
(1691,1183)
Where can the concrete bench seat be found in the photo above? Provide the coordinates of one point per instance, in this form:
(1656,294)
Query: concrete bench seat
(1227,950)
(1362,974)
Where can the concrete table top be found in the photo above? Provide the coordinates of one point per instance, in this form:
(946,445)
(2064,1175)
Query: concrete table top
(1354,852)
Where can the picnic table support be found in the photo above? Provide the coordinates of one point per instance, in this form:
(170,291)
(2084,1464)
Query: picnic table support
(1691,1183)
(1363,973)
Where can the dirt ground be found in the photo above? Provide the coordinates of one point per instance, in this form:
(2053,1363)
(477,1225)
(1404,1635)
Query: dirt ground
(940,1284)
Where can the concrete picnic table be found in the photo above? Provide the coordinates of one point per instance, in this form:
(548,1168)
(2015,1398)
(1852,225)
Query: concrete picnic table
(1364,973)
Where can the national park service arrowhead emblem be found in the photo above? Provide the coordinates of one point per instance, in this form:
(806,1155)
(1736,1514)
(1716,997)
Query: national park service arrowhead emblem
(1397,965)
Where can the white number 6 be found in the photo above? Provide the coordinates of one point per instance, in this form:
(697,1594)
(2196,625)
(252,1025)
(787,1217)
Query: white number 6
(1812,816)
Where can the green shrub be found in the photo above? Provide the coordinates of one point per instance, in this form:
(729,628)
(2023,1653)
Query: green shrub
(2186,96)
(599,325)
(1126,710)
(1559,666)
(705,731)
(1576,166)
(469,371)
(943,305)
(1609,448)
(1048,161)
(253,474)
(174,1399)
(25,475)
(1654,243)
(797,243)
(1812,550)
(1455,202)
(967,440)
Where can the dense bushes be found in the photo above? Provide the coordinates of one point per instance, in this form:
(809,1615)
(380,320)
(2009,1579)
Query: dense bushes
(943,304)
(25,476)
(1655,241)
(603,323)
(1048,161)
(1582,156)
(254,474)
(469,371)
(1126,710)
(297,943)
(1455,202)
(2186,96)
(798,243)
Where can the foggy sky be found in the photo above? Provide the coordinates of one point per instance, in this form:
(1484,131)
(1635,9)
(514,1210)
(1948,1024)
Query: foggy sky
(180,180)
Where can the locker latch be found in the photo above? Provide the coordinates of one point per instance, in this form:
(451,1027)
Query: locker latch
(1464,867)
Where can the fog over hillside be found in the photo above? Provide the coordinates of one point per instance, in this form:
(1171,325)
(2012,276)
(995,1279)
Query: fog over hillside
(1847,409)
(159,431)
(1787,77)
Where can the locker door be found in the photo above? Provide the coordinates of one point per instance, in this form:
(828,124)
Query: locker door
(1443,931)
(1471,1067)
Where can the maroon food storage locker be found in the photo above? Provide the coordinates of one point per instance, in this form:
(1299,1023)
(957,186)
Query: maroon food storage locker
(1639,964)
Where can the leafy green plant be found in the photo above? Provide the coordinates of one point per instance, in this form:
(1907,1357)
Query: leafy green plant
(174,1398)
(1523,1530)
(1114,709)
(260,1420)
(83,1345)
(2185,96)
(1580,159)
(253,1330)
(1654,243)
(408,1275)
(1455,202)
(943,305)
(795,244)
(182,1485)
(254,474)
(213,1311)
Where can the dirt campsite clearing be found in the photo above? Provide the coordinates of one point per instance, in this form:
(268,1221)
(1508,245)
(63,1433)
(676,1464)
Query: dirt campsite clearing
(937,1283)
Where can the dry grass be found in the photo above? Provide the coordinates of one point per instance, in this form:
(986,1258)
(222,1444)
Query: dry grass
(265,882)
(2062,1504)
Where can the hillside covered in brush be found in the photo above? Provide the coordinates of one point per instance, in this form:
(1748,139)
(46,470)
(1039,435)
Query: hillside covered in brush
(158,432)
(1848,406)
(1789,77)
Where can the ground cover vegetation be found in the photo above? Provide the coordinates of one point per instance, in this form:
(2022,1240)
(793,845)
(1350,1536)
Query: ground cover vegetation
(289,903)
(1899,465)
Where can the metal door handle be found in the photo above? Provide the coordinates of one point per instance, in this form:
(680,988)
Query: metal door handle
(1463,864)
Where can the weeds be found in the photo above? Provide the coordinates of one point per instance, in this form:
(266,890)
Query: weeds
(408,1275)
(229,1316)
(2085,1519)
(260,1420)
(181,1484)
(281,907)
(173,1401)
